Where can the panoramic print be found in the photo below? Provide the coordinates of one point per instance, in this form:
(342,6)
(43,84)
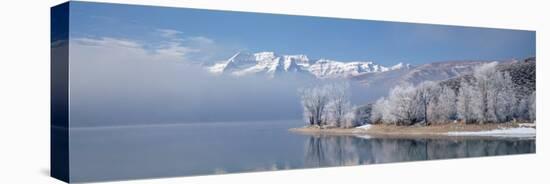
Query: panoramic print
(165,92)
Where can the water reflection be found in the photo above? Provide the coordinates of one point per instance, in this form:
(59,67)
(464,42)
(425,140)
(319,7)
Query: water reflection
(116,153)
(324,150)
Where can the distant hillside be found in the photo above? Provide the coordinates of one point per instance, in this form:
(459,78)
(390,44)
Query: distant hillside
(378,84)
(523,74)
(437,71)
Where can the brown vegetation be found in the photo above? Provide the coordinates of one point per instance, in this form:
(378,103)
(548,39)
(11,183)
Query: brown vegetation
(398,131)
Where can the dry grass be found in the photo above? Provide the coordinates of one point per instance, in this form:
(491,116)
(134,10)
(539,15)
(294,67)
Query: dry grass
(407,131)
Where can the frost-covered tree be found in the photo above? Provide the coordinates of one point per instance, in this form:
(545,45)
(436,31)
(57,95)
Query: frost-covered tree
(407,104)
(404,103)
(327,104)
(533,106)
(484,76)
(314,103)
(495,94)
(522,109)
(502,97)
(339,106)
(349,119)
(426,93)
(381,112)
(469,102)
(444,108)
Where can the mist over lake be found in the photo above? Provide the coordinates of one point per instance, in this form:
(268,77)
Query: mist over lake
(109,91)
(139,88)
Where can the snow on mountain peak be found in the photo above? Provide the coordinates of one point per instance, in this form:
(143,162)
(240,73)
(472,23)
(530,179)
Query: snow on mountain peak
(400,65)
(264,55)
(325,68)
(272,64)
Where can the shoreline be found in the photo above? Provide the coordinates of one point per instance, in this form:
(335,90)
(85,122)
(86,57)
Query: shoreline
(503,130)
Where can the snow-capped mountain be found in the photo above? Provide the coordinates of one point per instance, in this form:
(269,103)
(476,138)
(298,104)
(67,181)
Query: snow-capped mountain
(271,64)
(267,63)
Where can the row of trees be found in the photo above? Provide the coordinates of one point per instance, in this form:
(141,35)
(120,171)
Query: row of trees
(488,96)
(327,105)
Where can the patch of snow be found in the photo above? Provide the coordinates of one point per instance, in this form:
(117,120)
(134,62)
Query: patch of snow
(508,132)
(397,66)
(529,125)
(364,127)
(361,129)
(217,68)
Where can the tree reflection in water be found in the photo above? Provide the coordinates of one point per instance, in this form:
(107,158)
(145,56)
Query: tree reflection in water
(328,150)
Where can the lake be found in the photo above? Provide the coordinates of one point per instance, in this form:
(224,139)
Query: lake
(133,152)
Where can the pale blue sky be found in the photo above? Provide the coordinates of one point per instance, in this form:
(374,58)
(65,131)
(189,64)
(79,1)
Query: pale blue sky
(207,35)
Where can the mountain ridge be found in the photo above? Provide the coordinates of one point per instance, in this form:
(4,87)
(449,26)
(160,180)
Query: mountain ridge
(271,64)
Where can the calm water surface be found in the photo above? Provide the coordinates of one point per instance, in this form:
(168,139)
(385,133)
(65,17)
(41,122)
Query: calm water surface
(120,153)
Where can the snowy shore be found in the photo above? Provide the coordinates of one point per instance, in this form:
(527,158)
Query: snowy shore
(524,130)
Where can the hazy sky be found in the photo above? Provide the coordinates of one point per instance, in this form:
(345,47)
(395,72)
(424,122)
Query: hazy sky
(207,36)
